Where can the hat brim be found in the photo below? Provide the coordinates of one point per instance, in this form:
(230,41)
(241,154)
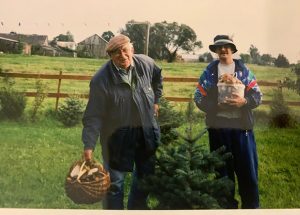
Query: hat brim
(214,47)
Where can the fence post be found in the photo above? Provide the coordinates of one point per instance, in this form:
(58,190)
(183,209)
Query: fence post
(58,90)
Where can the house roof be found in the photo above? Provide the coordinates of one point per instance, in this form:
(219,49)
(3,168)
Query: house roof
(33,39)
(10,40)
(88,38)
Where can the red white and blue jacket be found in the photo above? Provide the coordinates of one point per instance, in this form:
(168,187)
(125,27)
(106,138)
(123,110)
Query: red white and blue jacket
(206,94)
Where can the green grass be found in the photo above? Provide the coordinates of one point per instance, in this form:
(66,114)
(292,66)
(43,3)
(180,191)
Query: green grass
(41,64)
(279,173)
(52,65)
(35,159)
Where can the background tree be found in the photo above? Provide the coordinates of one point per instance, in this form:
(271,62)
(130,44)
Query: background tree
(255,56)
(68,37)
(158,38)
(246,58)
(267,59)
(107,35)
(177,37)
(137,35)
(165,39)
(282,61)
(206,57)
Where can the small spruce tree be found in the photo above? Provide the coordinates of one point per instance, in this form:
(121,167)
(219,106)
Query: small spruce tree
(169,119)
(185,174)
(71,111)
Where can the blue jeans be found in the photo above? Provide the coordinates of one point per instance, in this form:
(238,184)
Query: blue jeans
(244,164)
(137,199)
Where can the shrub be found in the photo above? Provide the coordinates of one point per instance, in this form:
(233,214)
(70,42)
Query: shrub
(12,103)
(41,94)
(280,112)
(71,111)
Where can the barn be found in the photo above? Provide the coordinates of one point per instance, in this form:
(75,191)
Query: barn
(92,47)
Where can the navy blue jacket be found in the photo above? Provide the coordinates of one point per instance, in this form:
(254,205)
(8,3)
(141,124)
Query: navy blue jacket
(206,94)
(110,108)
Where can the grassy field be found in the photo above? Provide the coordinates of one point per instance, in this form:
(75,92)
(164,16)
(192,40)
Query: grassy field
(35,157)
(52,65)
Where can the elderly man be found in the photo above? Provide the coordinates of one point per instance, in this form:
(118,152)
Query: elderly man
(230,122)
(123,103)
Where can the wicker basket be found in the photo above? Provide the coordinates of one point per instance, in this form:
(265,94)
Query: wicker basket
(87,182)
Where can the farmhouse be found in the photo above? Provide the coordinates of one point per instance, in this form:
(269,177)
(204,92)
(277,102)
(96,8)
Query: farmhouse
(12,46)
(32,39)
(93,47)
(11,42)
(34,44)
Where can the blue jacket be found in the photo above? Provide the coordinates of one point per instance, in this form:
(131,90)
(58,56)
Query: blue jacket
(114,106)
(206,94)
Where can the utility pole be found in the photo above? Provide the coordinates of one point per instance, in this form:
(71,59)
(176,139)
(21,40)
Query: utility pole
(147,33)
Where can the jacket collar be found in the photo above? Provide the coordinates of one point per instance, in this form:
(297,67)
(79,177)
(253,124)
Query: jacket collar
(115,74)
(138,70)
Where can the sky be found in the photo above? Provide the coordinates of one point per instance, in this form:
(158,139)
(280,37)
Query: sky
(272,26)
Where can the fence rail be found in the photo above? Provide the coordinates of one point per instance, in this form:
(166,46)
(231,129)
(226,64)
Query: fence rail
(61,76)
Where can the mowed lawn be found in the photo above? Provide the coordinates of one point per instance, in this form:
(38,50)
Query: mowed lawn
(35,157)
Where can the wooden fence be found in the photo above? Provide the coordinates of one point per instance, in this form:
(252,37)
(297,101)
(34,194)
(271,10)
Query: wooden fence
(59,77)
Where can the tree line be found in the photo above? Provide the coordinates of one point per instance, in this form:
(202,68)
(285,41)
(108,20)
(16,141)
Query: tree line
(165,40)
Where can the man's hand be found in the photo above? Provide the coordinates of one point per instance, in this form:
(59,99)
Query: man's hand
(88,154)
(156,108)
(236,101)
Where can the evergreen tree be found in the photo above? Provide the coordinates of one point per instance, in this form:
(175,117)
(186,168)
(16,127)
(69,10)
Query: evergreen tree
(168,120)
(185,175)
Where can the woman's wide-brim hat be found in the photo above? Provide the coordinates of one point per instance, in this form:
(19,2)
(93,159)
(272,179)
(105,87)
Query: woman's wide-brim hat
(221,40)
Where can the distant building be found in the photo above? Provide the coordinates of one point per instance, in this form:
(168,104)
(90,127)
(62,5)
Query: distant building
(35,44)
(9,45)
(92,47)
(11,42)
(32,39)
(68,45)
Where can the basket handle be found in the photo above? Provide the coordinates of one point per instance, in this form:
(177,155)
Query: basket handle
(81,171)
